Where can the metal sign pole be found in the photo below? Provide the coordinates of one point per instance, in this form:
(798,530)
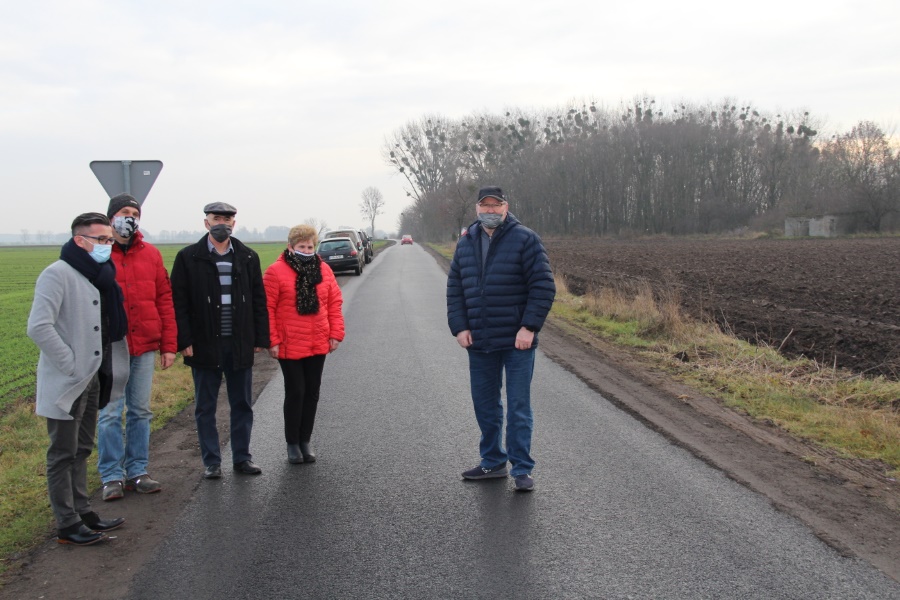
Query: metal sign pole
(126,173)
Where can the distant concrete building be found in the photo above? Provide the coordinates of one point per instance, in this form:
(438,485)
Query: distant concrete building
(796,227)
(821,226)
(824,226)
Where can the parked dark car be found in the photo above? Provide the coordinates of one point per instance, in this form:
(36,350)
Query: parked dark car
(341,255)
(347,233)
(367,244)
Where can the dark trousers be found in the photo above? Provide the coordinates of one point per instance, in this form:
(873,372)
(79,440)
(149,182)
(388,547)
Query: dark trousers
(302,380)
(239,384)
(71,443)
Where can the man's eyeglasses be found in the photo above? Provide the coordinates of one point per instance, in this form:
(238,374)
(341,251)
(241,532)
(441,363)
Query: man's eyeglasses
(493,206)
(101,239)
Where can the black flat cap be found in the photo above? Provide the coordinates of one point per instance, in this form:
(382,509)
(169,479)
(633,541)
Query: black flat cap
(220,208)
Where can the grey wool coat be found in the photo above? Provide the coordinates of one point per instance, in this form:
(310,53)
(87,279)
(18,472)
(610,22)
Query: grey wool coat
(65,324)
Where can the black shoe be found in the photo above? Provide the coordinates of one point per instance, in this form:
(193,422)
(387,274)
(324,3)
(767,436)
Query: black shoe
(295,457)
(79,535)
(484,473)
(94,521)
(524,483)
(212,472)
(247,468)
(307,452)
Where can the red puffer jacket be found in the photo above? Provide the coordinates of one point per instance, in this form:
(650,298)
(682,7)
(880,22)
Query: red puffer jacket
(148,297)
(299,336)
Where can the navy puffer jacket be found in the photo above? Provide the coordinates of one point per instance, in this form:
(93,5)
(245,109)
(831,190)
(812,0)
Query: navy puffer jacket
(515,289)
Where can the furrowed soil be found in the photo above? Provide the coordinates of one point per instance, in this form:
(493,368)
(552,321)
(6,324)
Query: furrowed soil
(831,300)
(848,504)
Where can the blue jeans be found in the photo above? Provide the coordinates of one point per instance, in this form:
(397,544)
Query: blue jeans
(486,374)
(118,458)
(239,384)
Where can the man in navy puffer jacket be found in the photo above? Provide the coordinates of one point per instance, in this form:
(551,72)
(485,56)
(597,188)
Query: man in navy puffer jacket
(499,292)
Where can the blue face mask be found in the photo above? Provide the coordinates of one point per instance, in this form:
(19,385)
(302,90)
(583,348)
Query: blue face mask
(101,252)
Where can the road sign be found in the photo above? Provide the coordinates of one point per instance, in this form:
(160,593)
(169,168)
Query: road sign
(134,177)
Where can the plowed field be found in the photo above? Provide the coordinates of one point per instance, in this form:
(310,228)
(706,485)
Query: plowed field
(834,300)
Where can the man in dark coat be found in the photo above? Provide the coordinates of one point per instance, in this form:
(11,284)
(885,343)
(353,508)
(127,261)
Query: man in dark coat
(499,292)
(222,321)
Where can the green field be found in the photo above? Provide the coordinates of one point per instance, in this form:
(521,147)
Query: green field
(19,269)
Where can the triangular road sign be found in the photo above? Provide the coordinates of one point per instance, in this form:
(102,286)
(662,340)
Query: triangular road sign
(134,177)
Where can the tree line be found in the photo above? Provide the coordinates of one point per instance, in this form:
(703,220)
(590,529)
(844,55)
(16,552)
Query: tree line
(641,169)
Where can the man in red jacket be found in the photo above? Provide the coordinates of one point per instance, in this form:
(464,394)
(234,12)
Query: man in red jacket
(151,327)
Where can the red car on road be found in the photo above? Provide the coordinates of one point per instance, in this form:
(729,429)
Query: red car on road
(406,239)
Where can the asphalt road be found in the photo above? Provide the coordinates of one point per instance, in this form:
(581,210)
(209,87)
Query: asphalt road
(618,511)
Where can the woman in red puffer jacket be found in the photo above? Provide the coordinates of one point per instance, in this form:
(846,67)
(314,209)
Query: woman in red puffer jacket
(305,325)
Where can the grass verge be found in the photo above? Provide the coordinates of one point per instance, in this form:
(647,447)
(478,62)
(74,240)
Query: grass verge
(25,512)
(854,415)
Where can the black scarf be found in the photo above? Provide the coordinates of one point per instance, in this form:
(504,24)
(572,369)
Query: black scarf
(103,276)
(113,318)
(309,274)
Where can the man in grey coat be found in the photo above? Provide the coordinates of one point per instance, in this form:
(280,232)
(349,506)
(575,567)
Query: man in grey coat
(79,323)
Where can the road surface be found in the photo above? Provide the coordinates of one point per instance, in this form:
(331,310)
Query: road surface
(618,511)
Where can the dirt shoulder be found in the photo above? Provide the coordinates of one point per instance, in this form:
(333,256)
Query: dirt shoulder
(850,506)
(847,503)
(104,571)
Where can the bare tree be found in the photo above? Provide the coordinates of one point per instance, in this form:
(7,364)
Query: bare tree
(25,236)
(371,205)
(867,165)
(642,168)
(424,153)
(318,224)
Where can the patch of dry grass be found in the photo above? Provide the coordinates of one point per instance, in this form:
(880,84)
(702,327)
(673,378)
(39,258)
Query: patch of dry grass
(858,416)
(25,513)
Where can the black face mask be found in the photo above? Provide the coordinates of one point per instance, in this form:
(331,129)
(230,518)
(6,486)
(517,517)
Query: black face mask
(220,232)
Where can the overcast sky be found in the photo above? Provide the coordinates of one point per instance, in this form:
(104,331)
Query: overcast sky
(282,108)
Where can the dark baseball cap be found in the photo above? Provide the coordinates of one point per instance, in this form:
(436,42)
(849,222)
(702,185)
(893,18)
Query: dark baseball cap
(491,192)
(220,208)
